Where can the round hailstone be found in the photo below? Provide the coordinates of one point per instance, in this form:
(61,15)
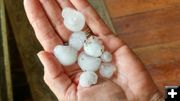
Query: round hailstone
(73,20)
(93,47)
(77,39)
(107,70)
(106,57)
(66,55)
(88,78)
(88,63)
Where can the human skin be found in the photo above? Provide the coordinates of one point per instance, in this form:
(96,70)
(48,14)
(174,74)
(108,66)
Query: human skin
(131,82)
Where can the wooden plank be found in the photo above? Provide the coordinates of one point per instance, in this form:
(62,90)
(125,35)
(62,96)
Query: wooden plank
(119,8)
(160,53)
(147,21)
(1,62)
(6,59)
(28,47)
(150,28)
(3,92)
(165,74)
(21,91)
(152,37)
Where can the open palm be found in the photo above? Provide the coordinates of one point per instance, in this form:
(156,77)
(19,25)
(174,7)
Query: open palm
(132,81)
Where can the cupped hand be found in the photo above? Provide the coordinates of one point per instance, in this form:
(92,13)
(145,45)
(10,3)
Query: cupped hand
(131,82)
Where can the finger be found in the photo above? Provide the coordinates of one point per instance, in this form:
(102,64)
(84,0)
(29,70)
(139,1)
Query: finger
(112,43)
(42,27)
(133,75)
(54,76)
(53,12)
(93,20)
(50,63)
(65,3)
(97,25)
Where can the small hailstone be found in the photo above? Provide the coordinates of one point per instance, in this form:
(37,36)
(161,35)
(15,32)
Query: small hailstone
(88,78)
(107,70)
(93,47)
(88,63)
(73,20)
(106,56)
(66,55)
(77,40)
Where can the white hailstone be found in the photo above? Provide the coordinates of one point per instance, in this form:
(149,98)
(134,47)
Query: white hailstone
(107,70)
(106,57)
(88,63)
(88,78)
(93,47)
(66,55)
(73,20)
(77,39)
(67,11)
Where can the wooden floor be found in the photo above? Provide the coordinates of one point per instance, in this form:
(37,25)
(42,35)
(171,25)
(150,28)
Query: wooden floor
(152,29)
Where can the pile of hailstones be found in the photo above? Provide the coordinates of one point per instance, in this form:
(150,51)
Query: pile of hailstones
(92,56)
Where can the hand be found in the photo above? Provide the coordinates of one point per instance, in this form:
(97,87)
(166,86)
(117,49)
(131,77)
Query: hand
(132,81)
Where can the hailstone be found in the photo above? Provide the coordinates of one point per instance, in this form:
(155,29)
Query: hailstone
(93,47)
(67,11)
(106,56)
(66,55)
(77,39)
(88,63)
(73,20)
(88,78)
(107,70)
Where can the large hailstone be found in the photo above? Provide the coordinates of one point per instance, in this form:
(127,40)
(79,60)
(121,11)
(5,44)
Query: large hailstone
(66,55)
(106,56)
(77,39)
(88,63)
(88,78)
(73,20)
(107,70)
(93,47)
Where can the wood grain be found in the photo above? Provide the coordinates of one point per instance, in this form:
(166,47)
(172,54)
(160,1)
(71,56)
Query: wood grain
(152,37)
(119,8)
(150,28)
(148,21)
(165,74)
(160,53)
